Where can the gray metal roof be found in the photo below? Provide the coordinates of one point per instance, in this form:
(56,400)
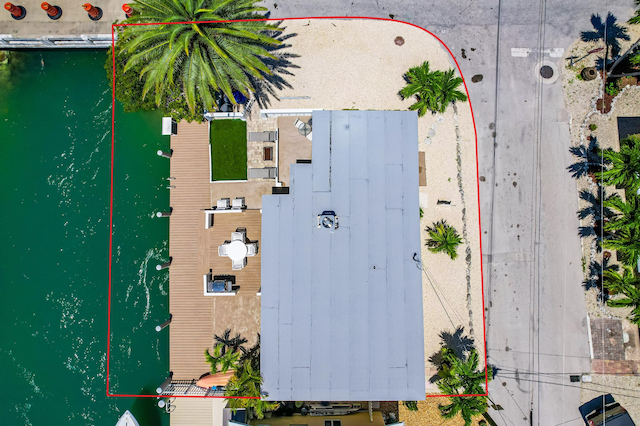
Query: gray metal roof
(342,308)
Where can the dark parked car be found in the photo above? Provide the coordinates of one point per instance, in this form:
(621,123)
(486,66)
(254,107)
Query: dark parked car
(605,410)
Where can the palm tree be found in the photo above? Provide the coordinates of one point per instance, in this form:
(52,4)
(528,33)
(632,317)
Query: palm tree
(226,360)
(443,238)
(460,376)
(590,159)
(233,344)
(609,32)
(624,170)
(202,59)
(247,382)
(629,286)
(627,243)
(433,90)
(627,216)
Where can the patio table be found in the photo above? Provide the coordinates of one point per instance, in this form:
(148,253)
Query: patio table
(237,250)
(304,129)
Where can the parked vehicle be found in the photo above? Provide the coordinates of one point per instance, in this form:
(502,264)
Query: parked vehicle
(605,410)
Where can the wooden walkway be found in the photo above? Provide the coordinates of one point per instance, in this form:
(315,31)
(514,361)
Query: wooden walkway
(191,329)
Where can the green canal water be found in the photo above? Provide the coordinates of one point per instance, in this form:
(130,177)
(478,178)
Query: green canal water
(55,128)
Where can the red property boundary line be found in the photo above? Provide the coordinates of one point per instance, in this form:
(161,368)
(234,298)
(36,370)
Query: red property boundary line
(113,101)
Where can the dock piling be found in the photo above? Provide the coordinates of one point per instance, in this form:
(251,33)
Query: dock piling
(164,384)
(164,154)
(164,265)
(164,324)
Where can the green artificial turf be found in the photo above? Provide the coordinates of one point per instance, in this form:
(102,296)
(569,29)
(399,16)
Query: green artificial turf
(228,149)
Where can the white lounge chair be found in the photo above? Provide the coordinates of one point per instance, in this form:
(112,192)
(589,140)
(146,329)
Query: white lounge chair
(298,123)
(252,248)
(262,136)
(222,251)
(238,203)
(237,265)
(309,136)
(223,204)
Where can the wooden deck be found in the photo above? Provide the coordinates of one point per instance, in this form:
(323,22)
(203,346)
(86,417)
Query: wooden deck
(191,329)
(194,251)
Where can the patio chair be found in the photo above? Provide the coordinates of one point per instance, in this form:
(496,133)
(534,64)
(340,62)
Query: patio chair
(222,250)
(252,248)
(264,173)
(238,236)
(238,203)
(237,265)
(298,123)
(223,204)
(309,135)
(262,136)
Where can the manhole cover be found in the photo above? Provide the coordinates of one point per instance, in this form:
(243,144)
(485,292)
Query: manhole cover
(546,71)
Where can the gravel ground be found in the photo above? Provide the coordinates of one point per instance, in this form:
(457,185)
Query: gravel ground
(580,98)
(352,57)
(428,414)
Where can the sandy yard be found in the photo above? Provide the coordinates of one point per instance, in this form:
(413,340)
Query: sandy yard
(580,97)
(355,64)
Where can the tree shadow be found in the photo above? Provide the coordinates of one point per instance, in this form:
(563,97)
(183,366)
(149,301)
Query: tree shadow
(266,88)
(457,342)
(609,32)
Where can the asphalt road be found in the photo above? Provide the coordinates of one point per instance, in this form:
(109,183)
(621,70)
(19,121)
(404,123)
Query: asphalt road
(536,318)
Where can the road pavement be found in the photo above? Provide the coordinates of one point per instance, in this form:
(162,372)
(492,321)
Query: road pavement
(536,317)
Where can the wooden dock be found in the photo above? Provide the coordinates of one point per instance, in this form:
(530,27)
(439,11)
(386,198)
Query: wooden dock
(191,329)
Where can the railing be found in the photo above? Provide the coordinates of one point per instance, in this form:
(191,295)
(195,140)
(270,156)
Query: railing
(188,387)
(92,41)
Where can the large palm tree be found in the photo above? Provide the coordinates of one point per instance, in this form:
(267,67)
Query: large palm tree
(627,285)
(461,376)
(590,159)
(202,59)
(443,239)
(433,90)
(225,360)
(627,243)
(627,213)
(624,170)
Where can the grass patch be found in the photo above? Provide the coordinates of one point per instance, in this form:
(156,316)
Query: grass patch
(228,149)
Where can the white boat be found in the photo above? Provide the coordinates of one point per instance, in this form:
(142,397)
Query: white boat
(127,419)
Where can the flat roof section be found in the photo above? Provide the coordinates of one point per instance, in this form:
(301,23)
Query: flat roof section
(342,306)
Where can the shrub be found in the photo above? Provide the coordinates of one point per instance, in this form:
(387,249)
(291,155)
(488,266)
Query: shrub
(443,239)
(612,89)
(592,127)
(411,405)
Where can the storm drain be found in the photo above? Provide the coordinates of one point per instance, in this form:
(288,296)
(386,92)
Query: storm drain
(546,71)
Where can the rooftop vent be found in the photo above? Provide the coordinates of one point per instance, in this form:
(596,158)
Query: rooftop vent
(328,219)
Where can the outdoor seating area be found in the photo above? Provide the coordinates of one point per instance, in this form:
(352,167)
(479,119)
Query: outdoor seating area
(293,144)
(238,249)
(229,247)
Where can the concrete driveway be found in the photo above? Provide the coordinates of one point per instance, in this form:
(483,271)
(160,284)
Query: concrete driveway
(536,315)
